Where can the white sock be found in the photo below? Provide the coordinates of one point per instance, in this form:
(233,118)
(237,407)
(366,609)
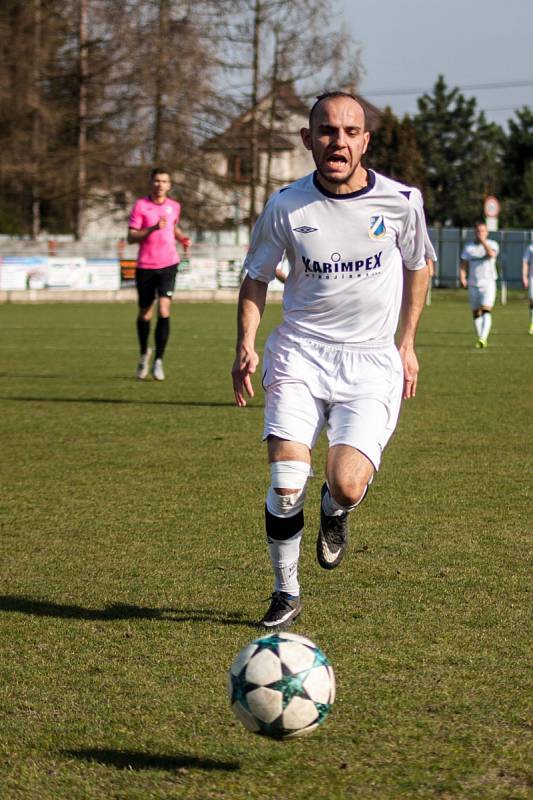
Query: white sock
(334,509)
(531,315)
(478,322)
(284,554)
(486,322)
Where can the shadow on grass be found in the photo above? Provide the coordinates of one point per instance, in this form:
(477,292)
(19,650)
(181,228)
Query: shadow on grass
(122,401)
(45,608)
(136,760)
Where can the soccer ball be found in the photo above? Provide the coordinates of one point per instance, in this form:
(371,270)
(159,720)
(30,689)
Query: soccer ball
(281,685)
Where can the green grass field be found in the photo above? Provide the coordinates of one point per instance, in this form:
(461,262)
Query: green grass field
(133,565)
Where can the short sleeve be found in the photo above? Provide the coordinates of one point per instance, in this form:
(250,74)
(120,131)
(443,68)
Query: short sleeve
(413,241)
(429,249)
(135,221)
(268,243)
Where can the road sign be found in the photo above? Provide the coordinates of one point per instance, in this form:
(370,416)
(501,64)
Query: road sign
(491,206)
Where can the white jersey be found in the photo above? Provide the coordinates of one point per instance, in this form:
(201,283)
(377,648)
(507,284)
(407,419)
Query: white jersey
(528,256)
(481,267)
(346,254)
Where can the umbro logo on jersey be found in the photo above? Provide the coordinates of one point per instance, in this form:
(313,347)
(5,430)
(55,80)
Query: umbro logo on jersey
(305,229)
(376,227)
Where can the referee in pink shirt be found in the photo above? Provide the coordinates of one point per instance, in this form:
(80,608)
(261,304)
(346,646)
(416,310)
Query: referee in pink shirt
(153,225)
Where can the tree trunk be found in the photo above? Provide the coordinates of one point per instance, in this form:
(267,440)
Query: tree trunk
(82,118)
(36,122)
(160,75)
(253,120)
(272,117)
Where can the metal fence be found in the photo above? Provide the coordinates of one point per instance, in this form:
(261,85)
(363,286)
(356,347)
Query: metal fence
(449,243)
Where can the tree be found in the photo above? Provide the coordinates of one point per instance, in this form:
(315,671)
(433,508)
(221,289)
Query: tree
(461,152)
(394,150)
(277,44)
(517,184)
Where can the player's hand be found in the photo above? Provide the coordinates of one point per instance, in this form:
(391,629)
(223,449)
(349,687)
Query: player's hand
(161,224)
(410,371)
(244,366)
(464,284)
(185,242)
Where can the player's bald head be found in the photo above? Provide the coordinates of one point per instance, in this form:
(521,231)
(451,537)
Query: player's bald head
(322,99)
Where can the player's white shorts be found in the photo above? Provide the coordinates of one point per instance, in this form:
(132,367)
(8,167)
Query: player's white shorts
(310,384)
(482,295)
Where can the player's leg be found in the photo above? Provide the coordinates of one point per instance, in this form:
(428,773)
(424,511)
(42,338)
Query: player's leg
(162,332)
(146,296)
(348,476)
(358,431)
(293,421)
(486,325)
(531,313)
(475,304)
(290,466)
(167,279)
(487,298)
(477,316)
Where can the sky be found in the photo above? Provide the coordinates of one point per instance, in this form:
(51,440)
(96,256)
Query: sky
(406,44)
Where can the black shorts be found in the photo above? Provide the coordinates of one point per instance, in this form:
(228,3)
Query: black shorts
(152,283)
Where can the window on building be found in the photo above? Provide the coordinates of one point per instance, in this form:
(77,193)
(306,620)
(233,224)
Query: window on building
(239,168)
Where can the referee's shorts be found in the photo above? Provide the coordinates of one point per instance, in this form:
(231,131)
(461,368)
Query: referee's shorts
(152,283)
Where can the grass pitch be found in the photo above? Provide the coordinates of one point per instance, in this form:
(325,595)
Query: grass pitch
(133,566)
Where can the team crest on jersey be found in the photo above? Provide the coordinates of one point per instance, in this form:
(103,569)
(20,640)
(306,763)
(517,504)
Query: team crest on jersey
(376,227)
(305,229)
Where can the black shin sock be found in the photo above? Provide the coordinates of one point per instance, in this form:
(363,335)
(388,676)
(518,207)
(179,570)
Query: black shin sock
(162,332)
(143,331)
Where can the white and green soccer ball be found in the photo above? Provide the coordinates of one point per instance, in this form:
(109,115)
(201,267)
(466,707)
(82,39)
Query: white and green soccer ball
(281,685)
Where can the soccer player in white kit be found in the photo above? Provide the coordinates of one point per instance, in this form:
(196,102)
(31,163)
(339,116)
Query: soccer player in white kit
(527,280)
(477,272)
(357,243)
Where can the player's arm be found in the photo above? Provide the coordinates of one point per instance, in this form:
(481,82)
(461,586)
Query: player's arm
(182,237)
(136,235)
(525,273)
(252,298)
(463,273)
(415,286)
(281,274)
(483,240)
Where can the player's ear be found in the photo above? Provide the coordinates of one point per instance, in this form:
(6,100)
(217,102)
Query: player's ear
(366,140)
(305,133)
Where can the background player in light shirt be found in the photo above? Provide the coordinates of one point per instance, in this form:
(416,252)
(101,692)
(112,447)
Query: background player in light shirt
(153,225)
(527,280)
(356,243)
(477,272)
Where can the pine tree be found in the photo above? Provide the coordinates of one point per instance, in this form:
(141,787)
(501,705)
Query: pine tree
(395,152)
(517,195)
(461,152)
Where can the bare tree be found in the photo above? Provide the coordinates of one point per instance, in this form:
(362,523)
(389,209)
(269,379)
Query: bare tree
(82,116)
(275,44)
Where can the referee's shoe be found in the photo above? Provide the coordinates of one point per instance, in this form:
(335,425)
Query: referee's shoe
(143,367)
